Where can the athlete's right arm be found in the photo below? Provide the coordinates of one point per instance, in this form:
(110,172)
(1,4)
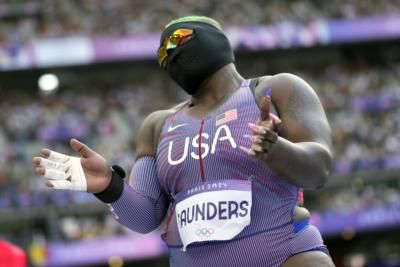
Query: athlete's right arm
(142,205)
(138,204)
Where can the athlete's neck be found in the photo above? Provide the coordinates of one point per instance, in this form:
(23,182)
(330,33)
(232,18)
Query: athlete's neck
(216,88)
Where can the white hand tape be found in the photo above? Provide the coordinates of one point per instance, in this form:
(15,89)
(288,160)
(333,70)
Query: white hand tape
(53,165)
(55,175)
(61,184)
(58,157)
(64,172)
(78,179)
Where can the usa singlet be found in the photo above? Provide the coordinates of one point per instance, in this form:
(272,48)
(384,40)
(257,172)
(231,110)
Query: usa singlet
(228,209)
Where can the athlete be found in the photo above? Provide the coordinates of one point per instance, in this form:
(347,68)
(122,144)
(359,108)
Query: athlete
(224,168)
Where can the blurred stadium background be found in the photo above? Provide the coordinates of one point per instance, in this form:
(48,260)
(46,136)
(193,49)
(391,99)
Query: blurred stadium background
(101,79)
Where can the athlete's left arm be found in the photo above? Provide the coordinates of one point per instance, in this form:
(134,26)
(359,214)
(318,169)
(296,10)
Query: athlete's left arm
(301,153)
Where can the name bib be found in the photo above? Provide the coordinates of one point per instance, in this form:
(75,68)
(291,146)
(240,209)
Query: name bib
(217,210)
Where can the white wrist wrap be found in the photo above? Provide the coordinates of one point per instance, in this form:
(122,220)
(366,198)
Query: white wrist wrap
(64,172)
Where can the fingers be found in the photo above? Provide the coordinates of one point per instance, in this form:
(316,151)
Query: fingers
(258,150)
(59,184)
(257,129)
(276,122)
(80,147)
(57,157)
(265,104)
(61,175)
(268,137)
(55,175)
(263,138)
(49,183)
(52,174)
(36,160)
(49,164)
(248,151)
(54,161)
(263,133)
(45,152)
(40,170)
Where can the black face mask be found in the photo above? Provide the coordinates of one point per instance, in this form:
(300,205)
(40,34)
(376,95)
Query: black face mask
(196,60)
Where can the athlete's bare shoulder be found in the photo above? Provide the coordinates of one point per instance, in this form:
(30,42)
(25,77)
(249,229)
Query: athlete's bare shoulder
(298,106)
(282,85)
(149,132)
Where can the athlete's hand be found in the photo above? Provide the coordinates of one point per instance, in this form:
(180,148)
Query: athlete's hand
(265,130)
(89,172)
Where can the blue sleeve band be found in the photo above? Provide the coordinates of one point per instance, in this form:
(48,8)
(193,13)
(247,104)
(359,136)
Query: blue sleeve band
(300,225)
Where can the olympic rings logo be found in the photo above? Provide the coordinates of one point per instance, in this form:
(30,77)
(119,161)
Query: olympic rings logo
(207,232)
